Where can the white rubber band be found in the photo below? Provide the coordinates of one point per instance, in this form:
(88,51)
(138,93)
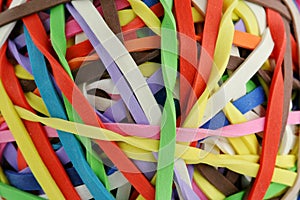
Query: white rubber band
(122,58)
(6,29)
(240,77)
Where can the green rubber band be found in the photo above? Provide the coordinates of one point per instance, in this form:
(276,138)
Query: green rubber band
(11,193)
(59,43)
(167,143)
(274,190)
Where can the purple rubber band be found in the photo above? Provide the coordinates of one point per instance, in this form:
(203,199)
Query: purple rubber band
(240,26)
(22,60)
(186,191)
(117,77)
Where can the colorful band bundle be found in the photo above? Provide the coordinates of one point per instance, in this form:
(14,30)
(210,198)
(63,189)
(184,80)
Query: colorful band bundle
(148,99)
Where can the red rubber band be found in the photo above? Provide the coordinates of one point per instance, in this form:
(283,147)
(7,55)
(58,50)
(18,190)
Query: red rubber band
(187,50)
(85,111)
(38,134)
(273,121)
(209,39)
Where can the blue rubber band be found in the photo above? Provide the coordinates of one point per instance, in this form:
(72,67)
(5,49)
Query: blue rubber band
(56,109)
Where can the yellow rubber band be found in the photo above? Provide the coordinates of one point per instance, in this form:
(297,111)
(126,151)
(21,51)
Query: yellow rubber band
(249,19)
(37,103)
(3,178)
(146,14)
(208,189)
(27,147)
(149,68)
(22,73)
(189,154)
(126,16)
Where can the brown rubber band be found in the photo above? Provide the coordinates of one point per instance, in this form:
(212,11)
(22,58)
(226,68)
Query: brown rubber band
(296,84)
(217,179)
(296,26)
(275,5)
(111,17)
(26,9)
(27,85)
(142,57)
(293,191)
(287,77)
(265,76)
(234,62)
(232,176)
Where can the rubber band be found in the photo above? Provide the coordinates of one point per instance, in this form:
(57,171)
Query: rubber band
(141,92)
(287,76)
(188,153)
(24,142)
(248,17)
(165,162)
(293,191)
(209,191)
(188,57)
(69,142)
(217,179)
(275,106)
(260,16)
(265,44)
(26,9)
(6,30)
(189,135)
(39,138)
(145,13)
(9,192)
(124,164)
(117,77)
(275,5)
(296,24)
(111,17)
(226,19)
(59,43)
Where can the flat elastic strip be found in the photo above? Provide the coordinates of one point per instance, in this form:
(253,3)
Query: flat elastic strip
(189,154)
(26,145)
(189,135)
(21,73)
(5,30)
(286,161)
(39,139)
(116,49)
(275,5)
(248,17)
(58,40)
(187,50)
(85,111)
(188,58)
(260,16)
(287,77)
(126,93)
(10,193)
(217,179)
(208,189)
(69,142)
(296,24)
(111,17)
(220,61)
(273,123)
(26,9)
(145,13)
(165,163)
(241,76)
(210,35)
(294,190)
